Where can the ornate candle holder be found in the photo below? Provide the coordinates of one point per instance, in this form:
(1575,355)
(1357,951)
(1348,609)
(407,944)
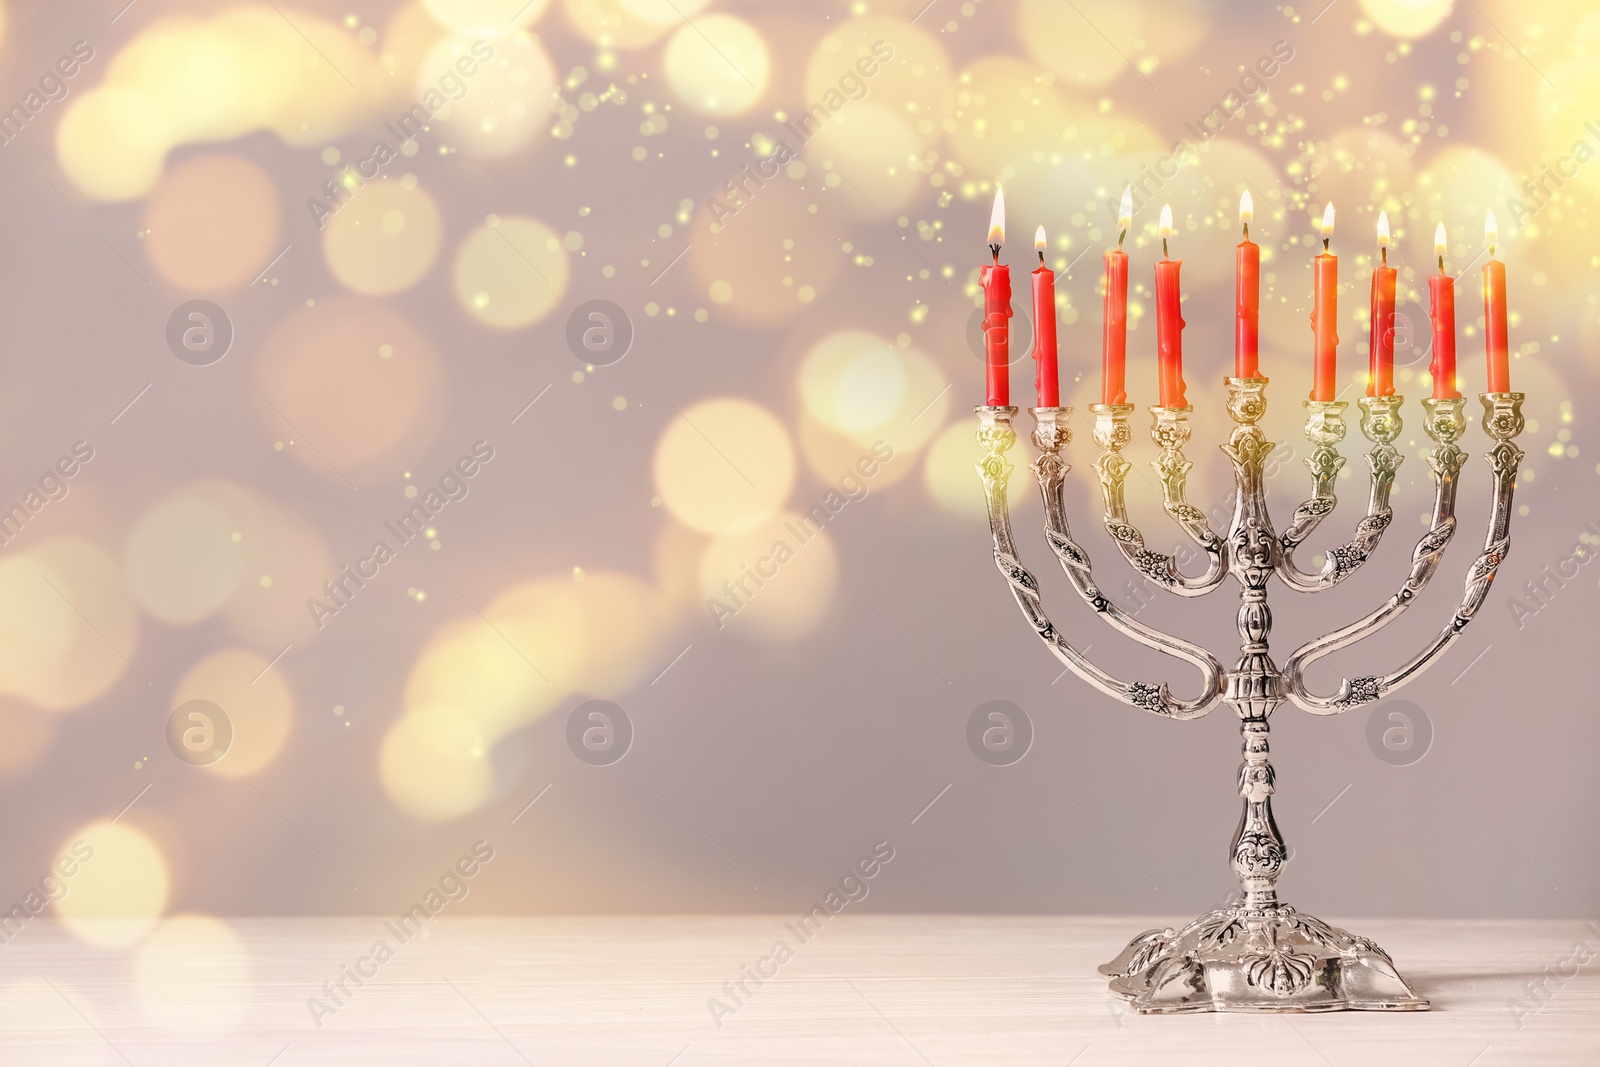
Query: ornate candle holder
(1256,954)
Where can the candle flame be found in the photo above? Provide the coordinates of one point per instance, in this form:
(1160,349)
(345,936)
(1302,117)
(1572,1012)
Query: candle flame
(1125,214)
(1438,240)
(1491,231)
(1383,228)
(1166,221)
(1247,208)
(1038,239)
(1327,222)
(997,218)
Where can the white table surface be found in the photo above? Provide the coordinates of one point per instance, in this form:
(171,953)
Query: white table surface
(921,991)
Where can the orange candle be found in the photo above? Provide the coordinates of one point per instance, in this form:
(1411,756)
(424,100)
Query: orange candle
(996,283)
(1114,344)
(1380,336)
(1246,298)
(1442,308)
(1169,322)
(1045,372)
(1325,314)
(1497,347)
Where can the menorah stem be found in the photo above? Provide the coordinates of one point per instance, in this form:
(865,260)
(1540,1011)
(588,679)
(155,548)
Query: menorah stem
(1258,850)
(1256,954)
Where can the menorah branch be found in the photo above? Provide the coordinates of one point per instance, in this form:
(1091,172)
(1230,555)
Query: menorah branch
(1170,431)
(996,437)
(1502,420)
(1380,422)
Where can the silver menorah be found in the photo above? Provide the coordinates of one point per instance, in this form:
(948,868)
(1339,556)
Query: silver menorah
(1256,954)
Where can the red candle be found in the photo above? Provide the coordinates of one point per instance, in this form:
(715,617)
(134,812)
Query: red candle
(1114,347)
(1246,298)
(1496,345)
(996,282)
(1380,335)
(1325,314)
(1442,308)
(1044,330)
(1169,323)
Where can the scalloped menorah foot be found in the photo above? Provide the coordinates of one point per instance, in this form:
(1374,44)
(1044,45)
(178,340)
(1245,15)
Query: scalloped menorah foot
(1258,958)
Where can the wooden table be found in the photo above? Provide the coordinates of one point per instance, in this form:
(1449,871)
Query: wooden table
(923,990)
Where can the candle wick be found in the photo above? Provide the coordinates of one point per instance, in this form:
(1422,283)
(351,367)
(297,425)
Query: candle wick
(1324,244)
(1491,251)
(994,250)
(1385,251)
(1164,248)
(1441,263)
(1041,257)
(1247,231)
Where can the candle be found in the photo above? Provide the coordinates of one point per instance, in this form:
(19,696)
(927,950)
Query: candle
(1246,297)
(1114,346)
(1169,322)
(1380,335)
(1325,313)
(1496,347)
(1442,308)
(1044,329)
(996,282)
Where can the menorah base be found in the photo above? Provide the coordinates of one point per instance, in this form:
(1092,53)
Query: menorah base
(1262,958)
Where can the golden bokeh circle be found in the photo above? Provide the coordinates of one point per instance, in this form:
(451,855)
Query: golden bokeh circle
(776,581)
(511,272)
(119,884)
(508,669)
(183,562)
(1407,18)
(434,764)
(877,150)
(55,657)
(256,700)
(724,465)
(719,65)
(384,239)
(832,455)
(915,84)
(192,73)
(361,381)
(213,222)
(504,106)
(112,143)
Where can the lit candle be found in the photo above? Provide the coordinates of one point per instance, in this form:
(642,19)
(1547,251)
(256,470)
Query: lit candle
(1044,329)
(1325,314)
(1114,347)
(1246,297)
(1496,345)
(1380,336)
(996,282)
(1442,307)
(1169,322)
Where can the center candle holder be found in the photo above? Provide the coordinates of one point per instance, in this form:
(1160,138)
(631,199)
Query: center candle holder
(1257,954)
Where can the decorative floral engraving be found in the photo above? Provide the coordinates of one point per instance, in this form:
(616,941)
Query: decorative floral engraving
(1362,691)
(1146,696)
(1282,970)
